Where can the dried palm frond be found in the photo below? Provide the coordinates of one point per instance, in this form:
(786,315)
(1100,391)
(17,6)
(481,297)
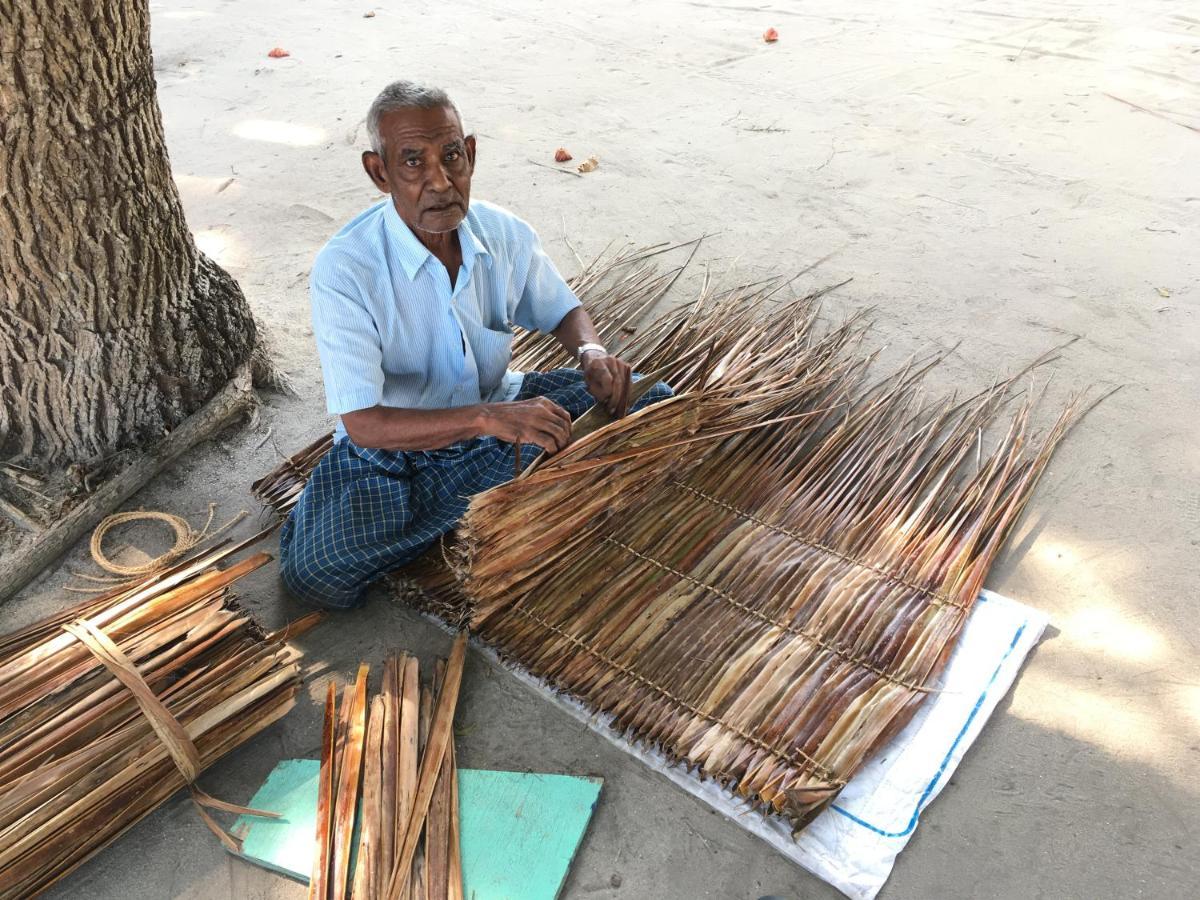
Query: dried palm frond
(111,706)
(764,575)
(280,489)
(393,767)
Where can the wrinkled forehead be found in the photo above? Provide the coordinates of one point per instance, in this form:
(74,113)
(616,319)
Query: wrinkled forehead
(419,128)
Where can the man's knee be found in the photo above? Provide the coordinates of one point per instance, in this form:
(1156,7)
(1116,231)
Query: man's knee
(660,391)
(320,583)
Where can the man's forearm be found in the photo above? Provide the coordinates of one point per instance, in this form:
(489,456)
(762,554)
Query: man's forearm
(389,428)
(608,378)
(537,421)
(576,328)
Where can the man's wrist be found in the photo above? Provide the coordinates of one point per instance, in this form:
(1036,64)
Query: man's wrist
(588,348)
(480,416)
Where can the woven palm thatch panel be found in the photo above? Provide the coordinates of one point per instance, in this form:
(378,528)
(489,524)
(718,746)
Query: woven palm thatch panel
(764,576)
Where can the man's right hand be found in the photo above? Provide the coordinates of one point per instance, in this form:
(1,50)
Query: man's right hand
(537,421)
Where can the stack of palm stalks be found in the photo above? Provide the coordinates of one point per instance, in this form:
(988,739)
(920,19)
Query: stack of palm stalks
(390,765)
(110,707)
(281,488)
(765,575)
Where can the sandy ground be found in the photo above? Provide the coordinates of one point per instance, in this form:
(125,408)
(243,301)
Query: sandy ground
(969,164)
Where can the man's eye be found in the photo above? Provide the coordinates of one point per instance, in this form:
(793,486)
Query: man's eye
(452,156)
(412,161)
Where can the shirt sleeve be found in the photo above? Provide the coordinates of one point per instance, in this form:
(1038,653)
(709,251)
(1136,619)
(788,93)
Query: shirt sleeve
(347,341)
(545,297)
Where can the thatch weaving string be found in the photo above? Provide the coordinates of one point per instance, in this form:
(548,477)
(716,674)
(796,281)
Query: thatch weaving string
(733,601)
(934,596)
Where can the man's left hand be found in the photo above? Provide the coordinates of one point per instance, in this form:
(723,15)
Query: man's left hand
(608,379)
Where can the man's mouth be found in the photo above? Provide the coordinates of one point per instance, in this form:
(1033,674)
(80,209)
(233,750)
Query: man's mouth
(443,207)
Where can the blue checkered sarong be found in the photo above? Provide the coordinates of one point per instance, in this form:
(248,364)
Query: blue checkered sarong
(365,513)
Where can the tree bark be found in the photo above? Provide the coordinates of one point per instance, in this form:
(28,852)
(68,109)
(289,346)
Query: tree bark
(113,326)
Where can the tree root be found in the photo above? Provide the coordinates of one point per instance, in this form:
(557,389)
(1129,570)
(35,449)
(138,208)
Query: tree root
(267,375)
(22,566)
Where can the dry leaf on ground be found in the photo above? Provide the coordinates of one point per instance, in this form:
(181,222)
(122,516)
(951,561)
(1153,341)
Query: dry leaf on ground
(770,35)
(589,165)
(561,155)
(278,53)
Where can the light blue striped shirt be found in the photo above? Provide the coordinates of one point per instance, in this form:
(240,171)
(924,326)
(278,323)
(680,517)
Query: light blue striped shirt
(390,330)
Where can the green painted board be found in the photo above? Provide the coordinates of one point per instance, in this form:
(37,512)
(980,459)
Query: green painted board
(284,844)
(520,830)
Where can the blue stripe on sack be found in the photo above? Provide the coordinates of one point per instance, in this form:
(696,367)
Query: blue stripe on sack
(912,822)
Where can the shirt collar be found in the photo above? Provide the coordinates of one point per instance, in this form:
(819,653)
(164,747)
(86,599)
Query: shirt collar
(472,247)
(413,254)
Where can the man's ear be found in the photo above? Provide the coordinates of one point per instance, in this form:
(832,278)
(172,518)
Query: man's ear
(373,165)
(469,141)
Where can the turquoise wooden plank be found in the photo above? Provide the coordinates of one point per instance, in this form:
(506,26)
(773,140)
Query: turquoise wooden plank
(285,844)
(520,830)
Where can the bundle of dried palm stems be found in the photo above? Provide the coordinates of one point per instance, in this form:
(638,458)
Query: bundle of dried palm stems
(390,766)
(762,577)
(111,706)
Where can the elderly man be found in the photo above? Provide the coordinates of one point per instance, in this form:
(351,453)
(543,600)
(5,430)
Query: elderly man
(413,304)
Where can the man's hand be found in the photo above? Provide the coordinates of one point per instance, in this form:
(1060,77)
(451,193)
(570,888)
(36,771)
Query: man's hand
(608,379)
(537,421)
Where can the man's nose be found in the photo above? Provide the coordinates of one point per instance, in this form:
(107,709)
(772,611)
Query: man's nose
(439,178)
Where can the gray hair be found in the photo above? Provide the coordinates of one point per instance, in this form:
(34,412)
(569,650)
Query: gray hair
(404,95)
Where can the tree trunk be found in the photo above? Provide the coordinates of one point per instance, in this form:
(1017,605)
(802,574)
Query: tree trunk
(113,326)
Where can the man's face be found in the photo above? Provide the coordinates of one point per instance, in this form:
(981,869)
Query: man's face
(426,167)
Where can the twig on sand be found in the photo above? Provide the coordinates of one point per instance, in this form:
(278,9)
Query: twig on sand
(570,246)
(556,168)
(18,516)
(829,158)
(1151,112)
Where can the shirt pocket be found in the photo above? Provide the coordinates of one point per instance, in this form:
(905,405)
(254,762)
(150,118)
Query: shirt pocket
(493,352)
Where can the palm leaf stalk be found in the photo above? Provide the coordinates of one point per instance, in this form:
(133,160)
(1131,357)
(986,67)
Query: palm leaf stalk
(390,763)
(82,756)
